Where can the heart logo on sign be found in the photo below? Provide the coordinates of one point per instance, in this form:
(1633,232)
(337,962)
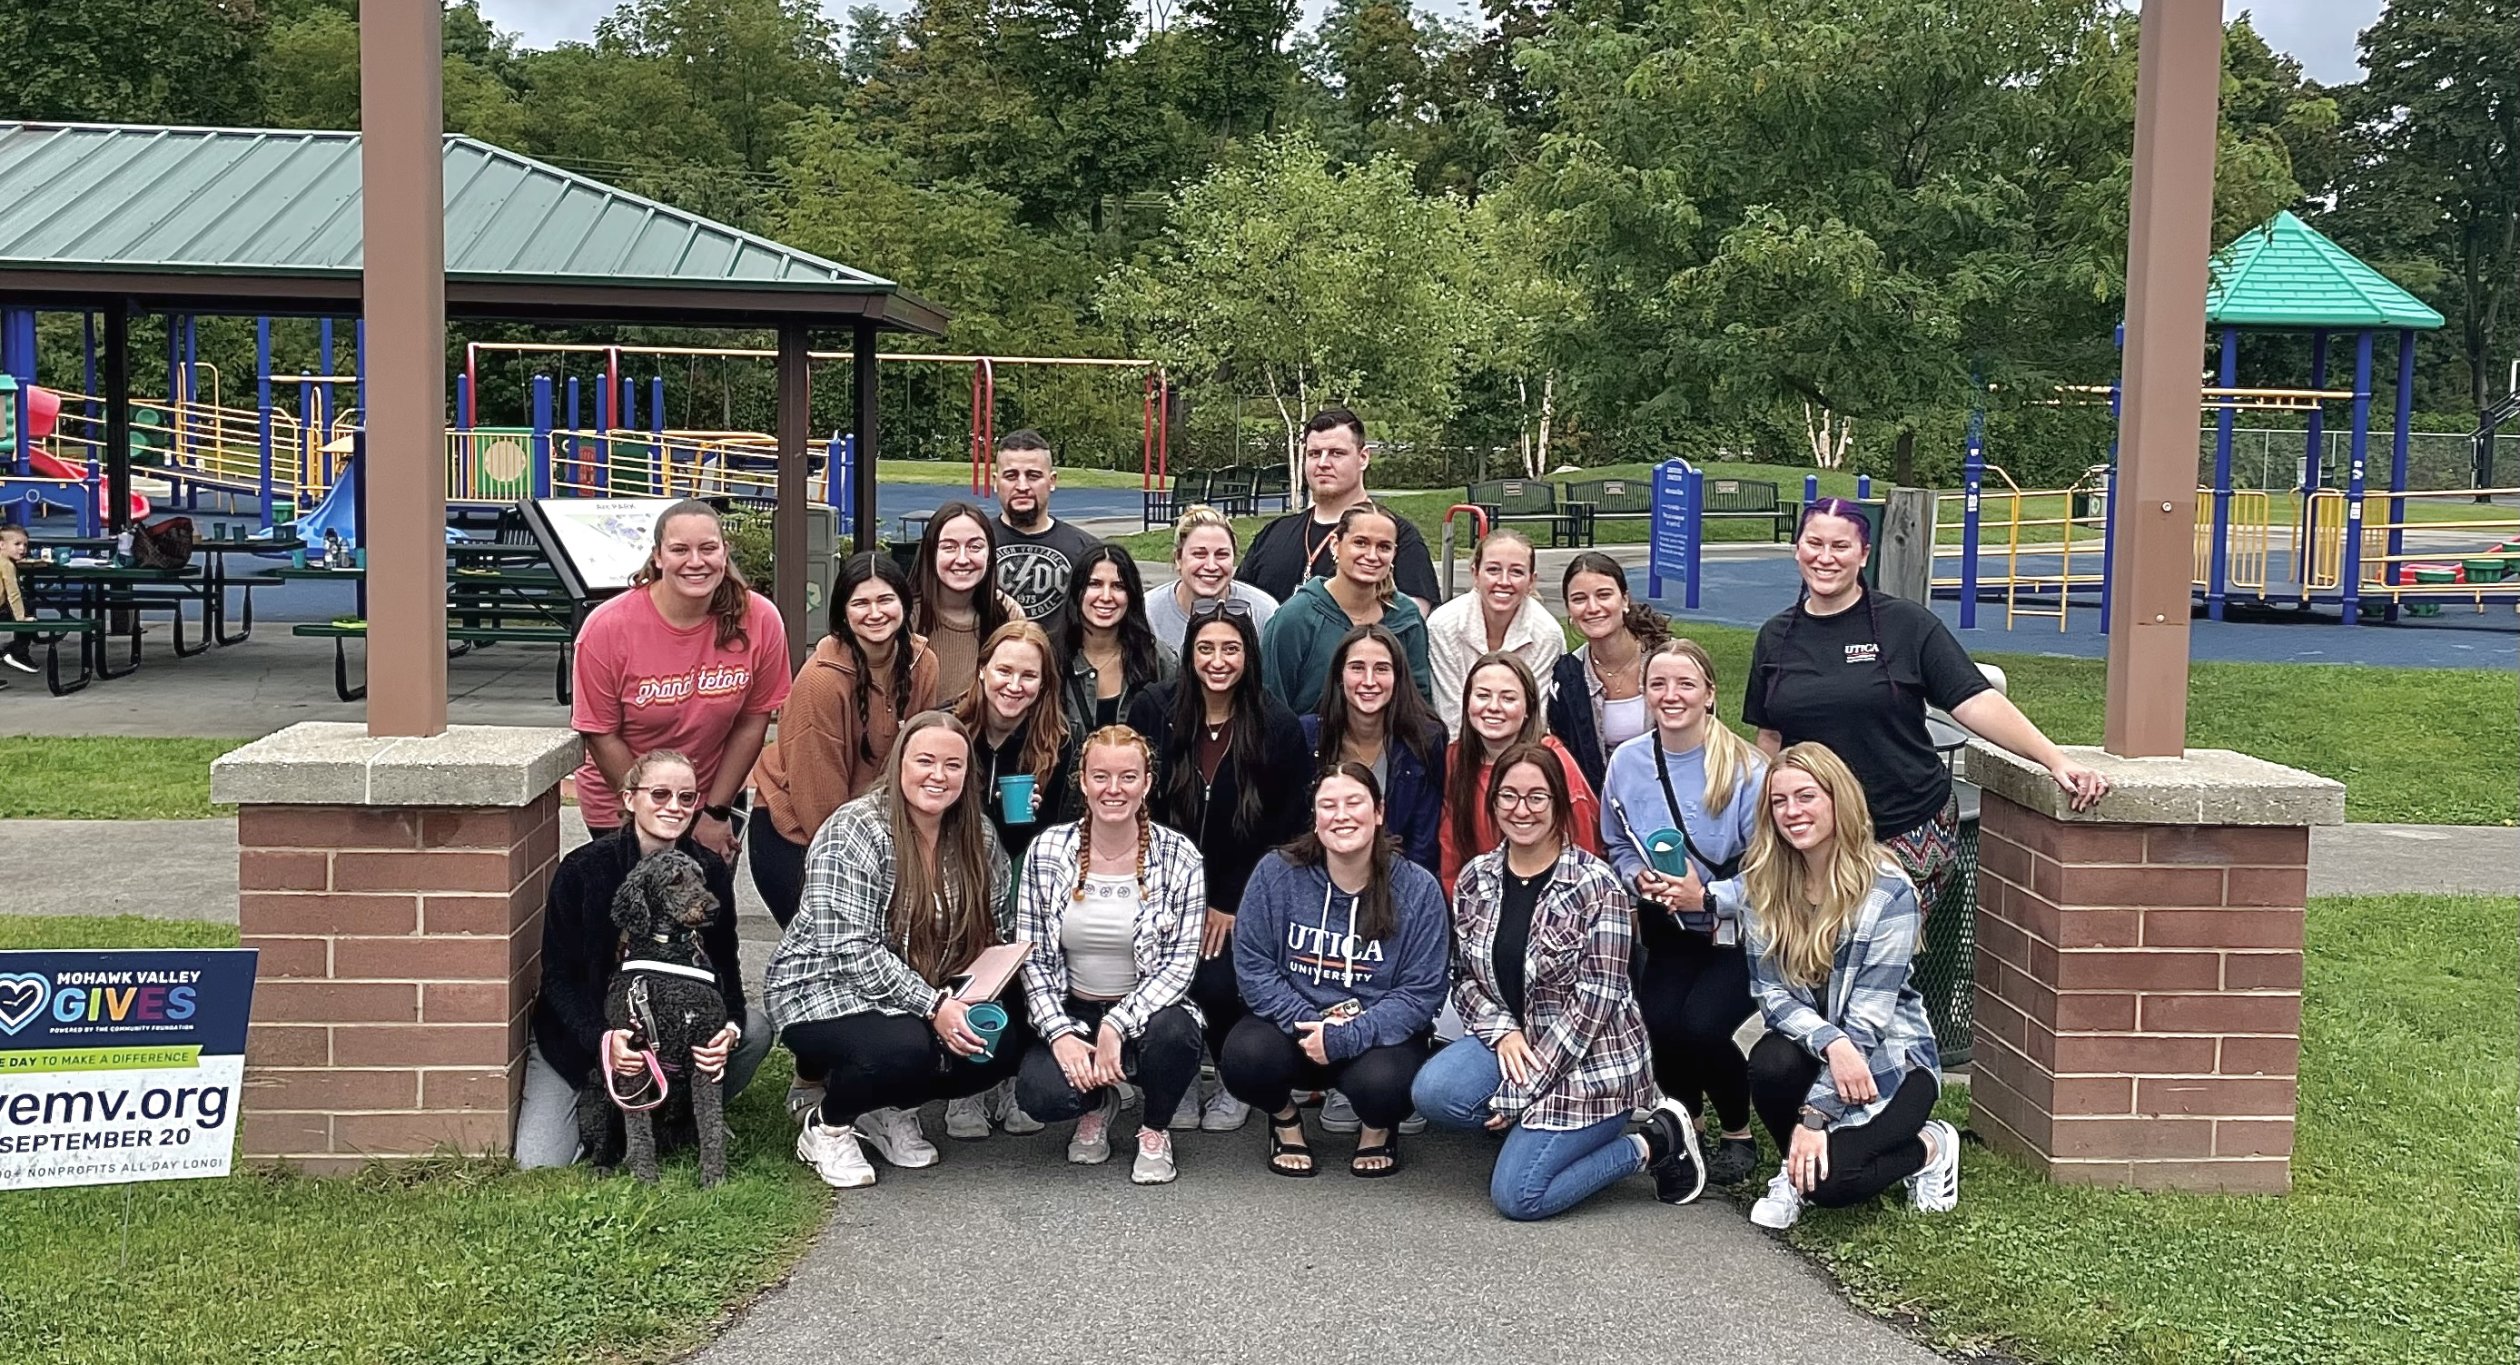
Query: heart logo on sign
(22,997)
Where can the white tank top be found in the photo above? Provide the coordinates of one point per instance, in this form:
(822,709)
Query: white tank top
(1099,935)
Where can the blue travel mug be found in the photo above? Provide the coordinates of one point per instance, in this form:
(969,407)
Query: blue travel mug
(1669,852)
(1015,798)
(988,1019)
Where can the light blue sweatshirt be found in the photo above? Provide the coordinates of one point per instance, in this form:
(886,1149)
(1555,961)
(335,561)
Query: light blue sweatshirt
(1630,786)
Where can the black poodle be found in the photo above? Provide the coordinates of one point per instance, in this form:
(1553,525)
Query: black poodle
(667,997)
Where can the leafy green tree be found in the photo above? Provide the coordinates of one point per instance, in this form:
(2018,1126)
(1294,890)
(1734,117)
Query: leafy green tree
(755,66)
(130,61)
(1241,70)
(1306,283)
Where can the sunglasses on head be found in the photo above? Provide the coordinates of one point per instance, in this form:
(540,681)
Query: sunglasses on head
(1220,606)
(665,796)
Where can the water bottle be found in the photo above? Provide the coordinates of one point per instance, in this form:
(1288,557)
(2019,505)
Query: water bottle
(122,548)
(332,550)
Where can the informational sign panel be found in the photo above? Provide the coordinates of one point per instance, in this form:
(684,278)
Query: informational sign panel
(121,1066)
(1673,549)
(597,543)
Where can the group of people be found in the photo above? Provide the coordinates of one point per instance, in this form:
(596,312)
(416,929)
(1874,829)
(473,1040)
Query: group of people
(1290,820)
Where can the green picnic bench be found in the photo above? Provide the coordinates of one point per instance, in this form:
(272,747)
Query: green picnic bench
(342,631)
(52,630)
(1749,500)
(1507,501)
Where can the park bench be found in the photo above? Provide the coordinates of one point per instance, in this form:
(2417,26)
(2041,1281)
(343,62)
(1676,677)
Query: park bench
(1507,501)
(1163,506)
(1231,492)
(341,632)
(52,630)
(1590,502)
(1748,500)
(1269,484)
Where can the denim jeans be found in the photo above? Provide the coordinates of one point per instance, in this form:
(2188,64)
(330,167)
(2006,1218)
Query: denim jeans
(1539,1173)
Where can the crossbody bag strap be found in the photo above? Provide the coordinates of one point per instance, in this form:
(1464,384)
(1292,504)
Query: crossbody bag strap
(1715,871)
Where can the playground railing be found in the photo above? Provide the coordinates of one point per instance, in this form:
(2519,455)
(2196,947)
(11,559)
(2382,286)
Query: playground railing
(629,463)
(2023,544)
(2245,540)
(2471,555)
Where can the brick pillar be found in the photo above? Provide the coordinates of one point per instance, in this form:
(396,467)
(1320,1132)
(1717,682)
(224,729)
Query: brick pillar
(395,888)
(2139,968)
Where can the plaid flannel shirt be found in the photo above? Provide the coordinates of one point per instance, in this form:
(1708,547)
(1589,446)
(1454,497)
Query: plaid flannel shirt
(1580,1016)
(1872,997)
(836,958)
(1165,942)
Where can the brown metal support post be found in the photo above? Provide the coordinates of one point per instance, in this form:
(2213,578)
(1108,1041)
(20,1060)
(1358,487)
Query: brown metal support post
(862,436)
(117,414)
(789,569)
(403,298)
(2170,237)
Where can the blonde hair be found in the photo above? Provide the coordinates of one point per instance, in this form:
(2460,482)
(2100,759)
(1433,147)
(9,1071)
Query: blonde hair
(1728,755)
(1505,535)
(1199,515)
(1797,929)
(1116,737)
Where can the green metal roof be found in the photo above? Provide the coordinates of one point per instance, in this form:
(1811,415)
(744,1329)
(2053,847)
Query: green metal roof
(2284,273)
(244,205)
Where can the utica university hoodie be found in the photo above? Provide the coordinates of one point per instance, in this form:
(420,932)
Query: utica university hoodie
(1296,954)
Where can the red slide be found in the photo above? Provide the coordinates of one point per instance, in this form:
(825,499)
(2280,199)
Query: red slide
(44,466)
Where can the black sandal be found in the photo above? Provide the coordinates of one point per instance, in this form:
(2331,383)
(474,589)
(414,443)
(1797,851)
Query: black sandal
(1279,1147)
(1387,1151)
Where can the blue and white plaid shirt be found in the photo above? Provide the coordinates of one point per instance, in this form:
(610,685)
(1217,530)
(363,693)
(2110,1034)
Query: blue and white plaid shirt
(1165,943)
(1872,997)
(837,957)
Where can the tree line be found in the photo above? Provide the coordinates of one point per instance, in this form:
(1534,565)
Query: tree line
(1571,232)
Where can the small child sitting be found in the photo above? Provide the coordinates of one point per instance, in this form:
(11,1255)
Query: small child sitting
(15,651)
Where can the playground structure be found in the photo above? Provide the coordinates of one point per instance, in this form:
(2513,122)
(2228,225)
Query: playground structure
(2330,540)
(292,456)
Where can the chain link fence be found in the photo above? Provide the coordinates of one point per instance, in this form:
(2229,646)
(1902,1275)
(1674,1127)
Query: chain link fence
(2272,458)
(1946,972)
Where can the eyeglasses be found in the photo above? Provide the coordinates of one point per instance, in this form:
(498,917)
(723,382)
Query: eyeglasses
(1535,799)
(1220,606)
(667,796)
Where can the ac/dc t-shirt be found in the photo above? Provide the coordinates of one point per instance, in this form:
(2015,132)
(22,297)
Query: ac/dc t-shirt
(661,688)
(1863,692)
(1034,567)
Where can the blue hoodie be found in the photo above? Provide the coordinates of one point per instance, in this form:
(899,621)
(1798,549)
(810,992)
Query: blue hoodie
(1296,955)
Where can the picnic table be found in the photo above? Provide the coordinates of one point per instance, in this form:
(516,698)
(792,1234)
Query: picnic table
(495,594)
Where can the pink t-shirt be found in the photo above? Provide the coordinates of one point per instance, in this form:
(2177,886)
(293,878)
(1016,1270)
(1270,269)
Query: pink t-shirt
(662,688)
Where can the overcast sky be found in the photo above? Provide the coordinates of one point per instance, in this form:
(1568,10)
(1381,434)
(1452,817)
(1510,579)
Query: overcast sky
(2318,32)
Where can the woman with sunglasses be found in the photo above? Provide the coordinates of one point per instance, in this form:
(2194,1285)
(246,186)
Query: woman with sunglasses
(1112,654)
(904,888)
(1298,643)
(1231,770)
(1203,560)
(1370,715)
(1501,704)
(1854,670)
(1686,796)
(1597,692)
(1555,1049)
(954,604)
(581,950)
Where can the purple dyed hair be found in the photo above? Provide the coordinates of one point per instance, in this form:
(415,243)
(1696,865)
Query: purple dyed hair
(1841,508)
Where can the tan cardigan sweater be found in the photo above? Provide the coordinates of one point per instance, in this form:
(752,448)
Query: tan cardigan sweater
(814,766)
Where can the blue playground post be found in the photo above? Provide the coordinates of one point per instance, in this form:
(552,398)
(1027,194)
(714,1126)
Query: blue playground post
(1972,488)
(467,455)
(542,435)
(192,395)
(17,340)
(1863,488)
(262,419)
(358,342)
(323,345)
(2220,554)
(1811,489)
(571,409)
(2397,449)
(836,473)
(2108,535)
(656,426)
(2351,588)
(606,396)
(2311,455)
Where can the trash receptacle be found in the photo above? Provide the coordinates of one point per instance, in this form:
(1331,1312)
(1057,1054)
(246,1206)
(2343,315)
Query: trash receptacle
(1946,972)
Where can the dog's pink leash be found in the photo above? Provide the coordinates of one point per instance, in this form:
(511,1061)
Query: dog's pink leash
(656,1070)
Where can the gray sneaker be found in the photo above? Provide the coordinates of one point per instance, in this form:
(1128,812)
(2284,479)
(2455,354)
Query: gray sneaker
(1090,1145)
(1154,1163)
(1185,1115)
(967,1119)
(1338,1115)
(1224,1113)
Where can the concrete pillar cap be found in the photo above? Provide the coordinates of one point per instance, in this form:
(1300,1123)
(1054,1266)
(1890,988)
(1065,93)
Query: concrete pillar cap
(338,763)
(2201,787)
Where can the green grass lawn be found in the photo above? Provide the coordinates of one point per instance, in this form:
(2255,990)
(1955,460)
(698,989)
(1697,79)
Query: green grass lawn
(88,778)
(2397,1243)
(450,1260)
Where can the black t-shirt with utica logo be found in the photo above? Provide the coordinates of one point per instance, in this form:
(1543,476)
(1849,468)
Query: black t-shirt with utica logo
(1859,681)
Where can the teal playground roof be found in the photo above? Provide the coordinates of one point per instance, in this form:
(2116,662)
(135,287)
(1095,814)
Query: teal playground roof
(266,220)
(2284,274)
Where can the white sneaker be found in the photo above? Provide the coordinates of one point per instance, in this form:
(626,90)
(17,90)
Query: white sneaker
(967,1119)
(1154,1164)
(802,1101)
(1091,1143)
(1780,1206)
(895,1136)
(1187,1115)
(21,665)
(1337,1115)
(1936,1188)
(834,1155)
(1224,1113)
(1011,1114)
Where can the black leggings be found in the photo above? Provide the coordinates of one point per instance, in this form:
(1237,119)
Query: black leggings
(1219,997)
(1864,1158)
(893,1061)
(1262,1065)
(778,868)
(1163,1060)
(1694,995)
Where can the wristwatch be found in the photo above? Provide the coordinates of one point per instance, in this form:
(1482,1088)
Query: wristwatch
(726,813)
(1814,1120)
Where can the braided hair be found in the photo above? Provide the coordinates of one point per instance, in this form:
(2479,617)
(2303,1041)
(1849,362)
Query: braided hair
(856,572)
(1118,737)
